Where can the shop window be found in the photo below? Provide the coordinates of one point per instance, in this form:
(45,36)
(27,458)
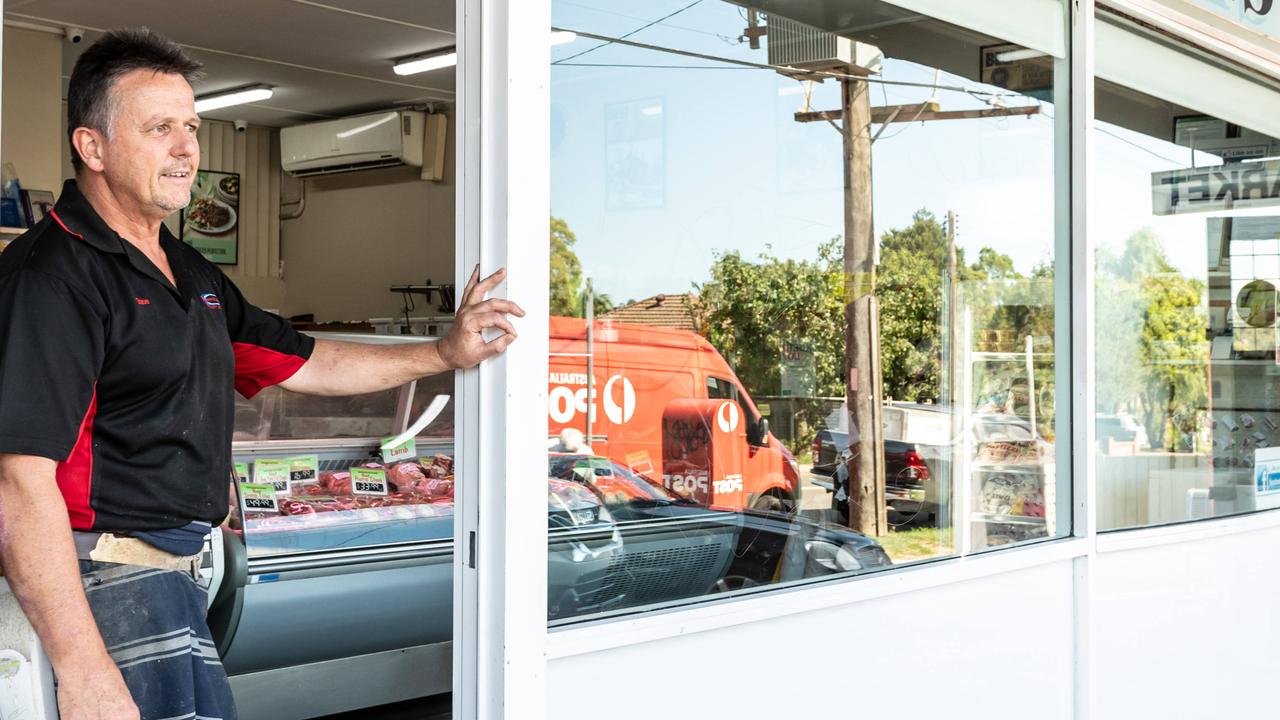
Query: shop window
(335,485)
(1186,230)
(757,313)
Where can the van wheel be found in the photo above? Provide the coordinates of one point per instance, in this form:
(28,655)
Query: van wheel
(769,503)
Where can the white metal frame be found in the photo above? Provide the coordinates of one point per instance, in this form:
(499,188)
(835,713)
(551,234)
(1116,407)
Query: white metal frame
(501,659)
(500,533)
(1075,328)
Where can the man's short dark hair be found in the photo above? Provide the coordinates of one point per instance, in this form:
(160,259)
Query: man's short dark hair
(90,93)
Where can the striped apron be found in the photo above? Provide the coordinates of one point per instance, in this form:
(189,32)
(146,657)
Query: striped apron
(153,624)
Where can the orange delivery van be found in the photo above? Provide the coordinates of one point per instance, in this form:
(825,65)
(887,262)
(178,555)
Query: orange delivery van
(644,379)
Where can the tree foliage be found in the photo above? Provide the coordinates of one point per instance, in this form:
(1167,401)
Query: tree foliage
(1152,355)
(756,310)
(568,291)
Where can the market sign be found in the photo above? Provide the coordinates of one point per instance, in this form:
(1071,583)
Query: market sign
(1232,186)
(1260,15)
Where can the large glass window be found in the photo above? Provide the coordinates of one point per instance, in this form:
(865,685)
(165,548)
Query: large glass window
(804,259)
(1187,239)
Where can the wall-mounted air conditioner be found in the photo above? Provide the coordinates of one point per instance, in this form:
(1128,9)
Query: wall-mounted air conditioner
(382,139)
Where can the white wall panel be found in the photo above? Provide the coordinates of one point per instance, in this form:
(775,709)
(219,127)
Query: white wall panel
(995,647)
(1032,23)
(255,155)
(1188,629)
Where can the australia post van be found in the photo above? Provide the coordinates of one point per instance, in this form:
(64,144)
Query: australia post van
(666,404)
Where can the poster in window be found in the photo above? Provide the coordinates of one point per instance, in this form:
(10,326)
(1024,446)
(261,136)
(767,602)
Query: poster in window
(635,155)
(211,223)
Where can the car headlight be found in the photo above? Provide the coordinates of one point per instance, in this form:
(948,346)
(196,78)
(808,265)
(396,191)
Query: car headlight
(795,466)
(590,515)
(833,557)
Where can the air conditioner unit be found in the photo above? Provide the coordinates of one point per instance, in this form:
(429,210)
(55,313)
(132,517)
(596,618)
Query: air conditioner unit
(804,47)
(382,139)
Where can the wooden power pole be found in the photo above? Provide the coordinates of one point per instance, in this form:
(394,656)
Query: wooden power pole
(867,511)
(864,392)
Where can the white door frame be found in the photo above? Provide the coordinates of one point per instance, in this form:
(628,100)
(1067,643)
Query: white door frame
(500,533)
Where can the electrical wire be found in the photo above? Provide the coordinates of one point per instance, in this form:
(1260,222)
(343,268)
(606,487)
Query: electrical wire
(633,32)
(759,66)
(673,26)
(651,67)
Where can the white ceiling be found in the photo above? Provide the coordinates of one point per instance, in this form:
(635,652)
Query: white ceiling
(325,58)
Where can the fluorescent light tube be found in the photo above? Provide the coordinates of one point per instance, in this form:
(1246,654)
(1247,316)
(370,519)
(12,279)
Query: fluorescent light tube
(233,97)
(449,58)
(1016,55)
(423,64)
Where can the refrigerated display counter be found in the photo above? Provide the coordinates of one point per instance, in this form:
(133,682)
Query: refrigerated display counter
(331,582)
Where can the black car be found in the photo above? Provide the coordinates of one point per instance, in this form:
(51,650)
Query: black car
(674,548)
(906,474)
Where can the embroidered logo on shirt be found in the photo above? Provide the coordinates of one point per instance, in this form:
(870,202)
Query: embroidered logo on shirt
(212,301)
(142,301)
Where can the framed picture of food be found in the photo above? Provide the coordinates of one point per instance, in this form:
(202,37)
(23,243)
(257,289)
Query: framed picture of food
(211,222)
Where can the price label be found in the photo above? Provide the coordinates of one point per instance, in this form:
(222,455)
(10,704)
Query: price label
(240,473)
(304,469)
(368,481)
(406,450)
(272,472)
(258,497)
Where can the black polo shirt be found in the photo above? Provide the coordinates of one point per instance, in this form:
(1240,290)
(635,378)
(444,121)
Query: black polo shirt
(124,379)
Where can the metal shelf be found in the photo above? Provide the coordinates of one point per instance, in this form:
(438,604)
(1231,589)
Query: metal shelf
(998,518)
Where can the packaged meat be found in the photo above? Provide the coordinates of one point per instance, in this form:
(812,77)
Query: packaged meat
(407,477)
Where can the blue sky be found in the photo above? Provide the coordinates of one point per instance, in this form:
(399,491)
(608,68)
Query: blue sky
(657,169)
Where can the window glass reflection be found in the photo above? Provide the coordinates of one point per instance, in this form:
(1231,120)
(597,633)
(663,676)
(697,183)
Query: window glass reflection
(1187,263)
(803,262)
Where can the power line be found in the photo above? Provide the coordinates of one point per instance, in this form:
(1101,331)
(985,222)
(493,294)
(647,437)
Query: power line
(651,67)
(633,32)
(786,70)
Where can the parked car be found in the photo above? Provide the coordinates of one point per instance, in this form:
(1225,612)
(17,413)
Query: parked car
(722,549)
(916,474)
(905,473)
(1122,427)
(827,446)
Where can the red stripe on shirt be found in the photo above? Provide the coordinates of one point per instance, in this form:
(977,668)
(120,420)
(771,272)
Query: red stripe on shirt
(75,474)
(64,225)
(258,367)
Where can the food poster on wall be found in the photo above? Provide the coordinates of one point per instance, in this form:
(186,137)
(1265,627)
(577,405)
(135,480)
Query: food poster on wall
(211,222)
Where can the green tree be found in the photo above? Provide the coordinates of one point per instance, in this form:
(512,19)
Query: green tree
(1174,356)
(566,270)
(755,310)
(1151,351)
(568,292)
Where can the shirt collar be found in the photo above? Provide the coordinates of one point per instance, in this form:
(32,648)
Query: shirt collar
(76,215)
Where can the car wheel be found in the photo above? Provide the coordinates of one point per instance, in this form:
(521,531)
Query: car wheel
(769,503)
(731,583)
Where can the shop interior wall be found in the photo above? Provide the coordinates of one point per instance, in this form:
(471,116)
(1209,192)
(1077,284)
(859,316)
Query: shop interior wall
(1188,629)
(33,135)
(255,155)
(364,231)
(996,647)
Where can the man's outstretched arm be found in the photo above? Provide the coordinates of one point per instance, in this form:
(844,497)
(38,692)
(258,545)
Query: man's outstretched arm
(350,368)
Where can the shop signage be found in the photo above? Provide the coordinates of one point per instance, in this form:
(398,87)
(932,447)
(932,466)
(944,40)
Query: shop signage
(1218,187)
(1019,69)
(1260,15)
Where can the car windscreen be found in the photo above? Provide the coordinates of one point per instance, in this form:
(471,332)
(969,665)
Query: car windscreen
(614,483)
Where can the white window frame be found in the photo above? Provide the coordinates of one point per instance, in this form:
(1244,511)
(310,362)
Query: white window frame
(502,644)
(500,530)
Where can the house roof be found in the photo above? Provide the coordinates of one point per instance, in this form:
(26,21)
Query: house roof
(666,311)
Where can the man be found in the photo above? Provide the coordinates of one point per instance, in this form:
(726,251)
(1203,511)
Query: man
(119,348)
